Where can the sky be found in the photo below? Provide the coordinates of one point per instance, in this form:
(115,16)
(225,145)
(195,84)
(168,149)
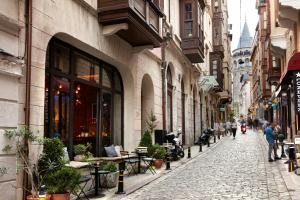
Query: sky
(248,11)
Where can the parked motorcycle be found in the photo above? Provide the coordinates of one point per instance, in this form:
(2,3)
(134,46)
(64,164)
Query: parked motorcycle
(205,136)
(243,128)
(176,149)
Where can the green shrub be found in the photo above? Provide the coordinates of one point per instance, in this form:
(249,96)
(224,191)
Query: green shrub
(146,140)
(111,167)
(80,149)
(157,151)
(62,181)
(52,157)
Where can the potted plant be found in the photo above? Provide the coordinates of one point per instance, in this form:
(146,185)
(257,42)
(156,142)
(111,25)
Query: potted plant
(112,177)
(159,153)
(61,183)
(82,152)
(146,140)
(22,140)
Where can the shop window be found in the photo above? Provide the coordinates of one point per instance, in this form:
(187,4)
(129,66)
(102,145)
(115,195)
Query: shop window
(106,81)
(86,69)
(61,107)
(61,58)
(80,105)
(215,69)
(276,62)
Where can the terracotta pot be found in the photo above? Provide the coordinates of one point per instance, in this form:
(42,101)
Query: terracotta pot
(65,196)
(158,163)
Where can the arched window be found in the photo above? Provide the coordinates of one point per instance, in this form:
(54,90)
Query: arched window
(83,101)
(169,101)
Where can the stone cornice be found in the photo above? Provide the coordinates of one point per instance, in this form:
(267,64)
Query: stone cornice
(9,25)
(11,67)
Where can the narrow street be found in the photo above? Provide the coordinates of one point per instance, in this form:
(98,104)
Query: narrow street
(235,169)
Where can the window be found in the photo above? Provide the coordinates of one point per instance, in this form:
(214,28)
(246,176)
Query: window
(215,69)
(80,105)
(188,20)
(276,62)
(169,101)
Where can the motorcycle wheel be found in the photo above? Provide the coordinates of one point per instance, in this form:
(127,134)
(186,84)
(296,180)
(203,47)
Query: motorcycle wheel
(181,154)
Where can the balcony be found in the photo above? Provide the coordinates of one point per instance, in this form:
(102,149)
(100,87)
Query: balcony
(139,22)
(290,3)
(193,48)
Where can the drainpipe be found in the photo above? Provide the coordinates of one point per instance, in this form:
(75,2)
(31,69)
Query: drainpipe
(28,43)
(28,60)
(163,72)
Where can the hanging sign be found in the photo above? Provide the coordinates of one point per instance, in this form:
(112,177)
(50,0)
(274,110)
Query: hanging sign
(297,90)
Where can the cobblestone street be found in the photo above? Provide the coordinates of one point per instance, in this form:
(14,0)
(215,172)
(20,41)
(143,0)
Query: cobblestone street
(235,169)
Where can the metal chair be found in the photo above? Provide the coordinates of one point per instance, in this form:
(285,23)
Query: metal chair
(83,183)
(131,164)
(149,164)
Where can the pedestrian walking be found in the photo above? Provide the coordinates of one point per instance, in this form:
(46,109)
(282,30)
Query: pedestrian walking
(233,128)
(228,127)
(270,136)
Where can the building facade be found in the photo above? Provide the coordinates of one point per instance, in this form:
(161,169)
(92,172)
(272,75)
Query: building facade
(81,70)
(242,73)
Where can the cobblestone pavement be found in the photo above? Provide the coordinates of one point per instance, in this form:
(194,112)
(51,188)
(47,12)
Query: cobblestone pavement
(235,169)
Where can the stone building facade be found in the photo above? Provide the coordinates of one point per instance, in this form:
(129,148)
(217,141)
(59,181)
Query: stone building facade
(241,73)
(54,54)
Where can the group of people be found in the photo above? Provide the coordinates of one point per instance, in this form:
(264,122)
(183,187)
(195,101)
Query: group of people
(271,131)
(227,128)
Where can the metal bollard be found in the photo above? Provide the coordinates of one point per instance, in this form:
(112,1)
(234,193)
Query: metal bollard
(214,138)
(218,135)
(208,142)
(168,166)
(200,147)
(121,178)
(291,166)
(189,152)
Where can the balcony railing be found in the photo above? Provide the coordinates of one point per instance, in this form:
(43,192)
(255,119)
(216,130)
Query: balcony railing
(140,21)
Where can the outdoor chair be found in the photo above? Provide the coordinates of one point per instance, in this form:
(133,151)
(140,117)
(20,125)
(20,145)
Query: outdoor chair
(148,161)
(83,183)
(131,165)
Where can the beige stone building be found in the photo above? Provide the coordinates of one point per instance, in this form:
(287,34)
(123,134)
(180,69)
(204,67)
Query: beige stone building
(70,69)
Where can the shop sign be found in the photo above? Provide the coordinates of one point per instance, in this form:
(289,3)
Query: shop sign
(297,90)
(222,109)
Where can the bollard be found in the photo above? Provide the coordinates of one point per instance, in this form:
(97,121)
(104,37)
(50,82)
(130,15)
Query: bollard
(218,135)
(121,178)
(282,151)
(200,147)
(291,166)
(189,152)
(168,166)
(214,138)
(208,142)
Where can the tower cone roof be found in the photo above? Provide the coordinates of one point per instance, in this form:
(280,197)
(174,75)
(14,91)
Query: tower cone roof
(245,38)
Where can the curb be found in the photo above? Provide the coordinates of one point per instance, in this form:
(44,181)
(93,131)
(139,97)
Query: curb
(174,168)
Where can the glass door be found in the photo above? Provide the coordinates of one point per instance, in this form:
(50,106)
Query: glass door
(106,135)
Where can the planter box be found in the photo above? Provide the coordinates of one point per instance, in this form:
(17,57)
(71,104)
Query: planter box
(111,180)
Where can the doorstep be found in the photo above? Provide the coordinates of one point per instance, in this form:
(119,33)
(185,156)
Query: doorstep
(135,182)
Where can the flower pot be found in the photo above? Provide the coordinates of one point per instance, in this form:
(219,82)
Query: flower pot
(65,196)
(79,158)
(158,163)
(111,179)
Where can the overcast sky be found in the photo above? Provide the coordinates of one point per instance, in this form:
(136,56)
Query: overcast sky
(248,10)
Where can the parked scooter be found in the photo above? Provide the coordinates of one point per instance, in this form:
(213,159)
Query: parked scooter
(176,148)
(243,128)
(206,135)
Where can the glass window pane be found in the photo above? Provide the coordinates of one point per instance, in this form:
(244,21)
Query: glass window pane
(118,85)
(106,78)
(86,70)
(61,58)
(117,119)
(106,119)
(188,7)
(61,107)
(85,114)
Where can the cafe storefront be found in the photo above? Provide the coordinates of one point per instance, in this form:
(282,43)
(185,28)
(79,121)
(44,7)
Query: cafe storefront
(83,99)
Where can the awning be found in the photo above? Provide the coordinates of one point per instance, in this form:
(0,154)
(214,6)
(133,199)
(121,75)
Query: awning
(207,82)
(293,65)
